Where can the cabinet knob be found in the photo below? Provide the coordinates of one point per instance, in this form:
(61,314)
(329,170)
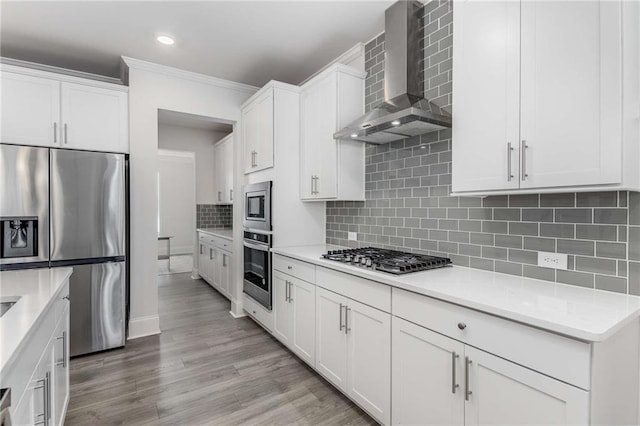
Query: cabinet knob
(462,325)
(66,297)
(289,267)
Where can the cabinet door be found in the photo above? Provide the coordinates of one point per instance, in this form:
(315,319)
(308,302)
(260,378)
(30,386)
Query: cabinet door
(42,387)
(282,308)
(331,339)
(369,359)
(219,173)
(30,110)
(257,133)
(264,148)
(203,260)
(228,170)
(94,118)
(486,85)
(505,393)
(427,376)
(225,273)
(250,134)
(318,147)
(215,272)
(571,93)
(303,298)
(60,395)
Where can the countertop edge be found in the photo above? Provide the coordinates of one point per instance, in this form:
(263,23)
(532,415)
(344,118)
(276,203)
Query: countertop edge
(216,234)
(551,327)
(36,322)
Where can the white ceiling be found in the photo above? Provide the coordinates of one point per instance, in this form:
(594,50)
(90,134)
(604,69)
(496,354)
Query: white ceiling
(245,41)
(182,119)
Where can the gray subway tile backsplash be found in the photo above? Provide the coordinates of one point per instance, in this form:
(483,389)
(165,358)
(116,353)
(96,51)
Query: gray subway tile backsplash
(214,216)
(409,207)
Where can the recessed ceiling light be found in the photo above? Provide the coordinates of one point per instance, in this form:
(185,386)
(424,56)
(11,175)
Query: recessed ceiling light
(165,39)
(395,123)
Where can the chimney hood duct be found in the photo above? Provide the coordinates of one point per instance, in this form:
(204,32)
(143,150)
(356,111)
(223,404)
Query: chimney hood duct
(404,112)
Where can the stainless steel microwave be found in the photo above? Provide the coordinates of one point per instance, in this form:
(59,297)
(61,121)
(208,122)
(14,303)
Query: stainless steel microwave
(257,206)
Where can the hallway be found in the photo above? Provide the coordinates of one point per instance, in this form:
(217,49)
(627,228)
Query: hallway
(205,368)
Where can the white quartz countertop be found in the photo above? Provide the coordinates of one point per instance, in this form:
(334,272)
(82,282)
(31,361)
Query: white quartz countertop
(36,289)
(218,232)
(582,313)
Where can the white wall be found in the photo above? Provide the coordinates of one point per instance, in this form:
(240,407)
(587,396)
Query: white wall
(153,87)
(200,142)
(177,200)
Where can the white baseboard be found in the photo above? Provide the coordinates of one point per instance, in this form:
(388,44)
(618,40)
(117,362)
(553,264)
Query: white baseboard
(143,326)
(236,309)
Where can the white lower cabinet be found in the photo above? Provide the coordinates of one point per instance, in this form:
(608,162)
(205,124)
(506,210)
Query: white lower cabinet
(501,392)
(331,338)
(214,263)
(42,394)
(438,380)
(426,376)
(294,315)
(354,351)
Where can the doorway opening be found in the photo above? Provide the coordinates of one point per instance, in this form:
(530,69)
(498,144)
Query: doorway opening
(187,185)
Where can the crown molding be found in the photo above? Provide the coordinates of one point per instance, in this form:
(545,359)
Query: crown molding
(185,75)
(63,74)
(346,57)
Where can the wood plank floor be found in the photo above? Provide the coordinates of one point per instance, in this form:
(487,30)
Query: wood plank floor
(205,368)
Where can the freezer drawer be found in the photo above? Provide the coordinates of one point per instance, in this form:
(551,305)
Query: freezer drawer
(88,216)
(97,293)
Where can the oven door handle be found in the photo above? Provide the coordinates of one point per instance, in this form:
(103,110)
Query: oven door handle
(260,247)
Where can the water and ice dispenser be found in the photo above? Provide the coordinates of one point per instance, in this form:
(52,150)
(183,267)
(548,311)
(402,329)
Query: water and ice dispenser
(19,236)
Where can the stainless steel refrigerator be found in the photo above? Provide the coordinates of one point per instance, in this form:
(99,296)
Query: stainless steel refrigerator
(69,208)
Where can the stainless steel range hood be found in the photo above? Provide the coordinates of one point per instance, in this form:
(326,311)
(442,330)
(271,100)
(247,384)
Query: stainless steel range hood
(405,112)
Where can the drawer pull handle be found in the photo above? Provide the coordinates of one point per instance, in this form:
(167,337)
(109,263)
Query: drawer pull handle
(462,325)
(289,267)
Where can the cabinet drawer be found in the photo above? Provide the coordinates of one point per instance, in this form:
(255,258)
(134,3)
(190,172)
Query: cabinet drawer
(561,357)
(258,313)
(61,304)
(368,292)
(223,244)
(296,268)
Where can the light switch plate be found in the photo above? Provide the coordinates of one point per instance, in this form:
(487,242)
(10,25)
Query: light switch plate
(552,260)
(352,236)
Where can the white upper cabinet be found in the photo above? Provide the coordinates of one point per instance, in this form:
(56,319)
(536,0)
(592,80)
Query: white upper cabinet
(486,98)
(537,95)
(30,111)
(94,118)
(223,152)
(47,109)
(331,169)
(258,131)
(571,94)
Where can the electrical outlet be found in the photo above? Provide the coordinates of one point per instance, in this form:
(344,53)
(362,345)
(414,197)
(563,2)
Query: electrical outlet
(552,260)
(352,236)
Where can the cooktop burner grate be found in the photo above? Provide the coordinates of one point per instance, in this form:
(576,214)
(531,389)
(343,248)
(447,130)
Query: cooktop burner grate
(391,261)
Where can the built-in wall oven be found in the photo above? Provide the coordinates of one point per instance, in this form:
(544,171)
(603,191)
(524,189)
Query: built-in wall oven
(257,242)
(257,267)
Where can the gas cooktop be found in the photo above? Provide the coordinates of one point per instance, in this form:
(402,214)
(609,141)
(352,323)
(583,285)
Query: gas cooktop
(391,261)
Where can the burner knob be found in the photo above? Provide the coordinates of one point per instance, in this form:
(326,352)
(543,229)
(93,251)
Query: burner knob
(368,262)
(356,258)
